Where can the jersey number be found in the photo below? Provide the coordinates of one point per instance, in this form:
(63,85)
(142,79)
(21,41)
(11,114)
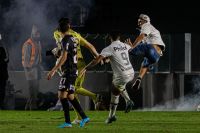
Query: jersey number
(75,56)
(62,81)
(75,49)
(125,58)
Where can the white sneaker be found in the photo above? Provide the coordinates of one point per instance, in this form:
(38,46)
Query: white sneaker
(76,121)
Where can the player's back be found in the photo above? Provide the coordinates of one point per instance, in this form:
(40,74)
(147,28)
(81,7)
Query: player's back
(153,35)
(77,38)
(70,66)
(119,59)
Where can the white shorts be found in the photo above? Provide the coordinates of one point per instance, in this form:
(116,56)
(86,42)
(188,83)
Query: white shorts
(121,82)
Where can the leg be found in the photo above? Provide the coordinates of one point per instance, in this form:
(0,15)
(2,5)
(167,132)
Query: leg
(28,102)
(78,108)
(113,107)
(33,91)
(151,57)
(76,105)
(136,84)
(34,94)
(78,117)
(113,104)
(62,95)
(82,91)
(2,92)
(143,71)
(79,83)
(129,102)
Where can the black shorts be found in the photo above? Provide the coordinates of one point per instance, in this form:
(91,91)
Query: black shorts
(67,84)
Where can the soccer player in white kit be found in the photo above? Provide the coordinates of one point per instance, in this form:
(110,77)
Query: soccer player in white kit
(123,72)
(149,44)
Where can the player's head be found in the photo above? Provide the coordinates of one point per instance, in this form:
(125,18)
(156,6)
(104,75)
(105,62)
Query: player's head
(35,33)
(64,25)
(143,18)
(114,35)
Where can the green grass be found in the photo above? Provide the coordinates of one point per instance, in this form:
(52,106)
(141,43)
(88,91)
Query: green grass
(149,122)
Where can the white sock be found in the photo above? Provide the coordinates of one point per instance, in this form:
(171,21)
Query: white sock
(113,105)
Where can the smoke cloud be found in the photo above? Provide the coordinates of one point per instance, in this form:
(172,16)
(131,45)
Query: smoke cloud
(187,103)
(20,15)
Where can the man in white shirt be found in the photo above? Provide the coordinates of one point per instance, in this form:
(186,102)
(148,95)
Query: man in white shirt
(123,72)
(149,44)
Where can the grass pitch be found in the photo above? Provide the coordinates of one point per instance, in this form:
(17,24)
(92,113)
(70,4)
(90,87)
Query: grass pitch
(135,121)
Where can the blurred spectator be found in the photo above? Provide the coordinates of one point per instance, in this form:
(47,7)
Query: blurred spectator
(3,72)
(31,61)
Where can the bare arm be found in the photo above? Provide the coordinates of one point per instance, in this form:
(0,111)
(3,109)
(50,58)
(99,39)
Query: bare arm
(92,64)
(137,40)
(92,49)
(89,46)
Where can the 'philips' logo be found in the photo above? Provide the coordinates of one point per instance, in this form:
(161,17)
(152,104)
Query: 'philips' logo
(119,48)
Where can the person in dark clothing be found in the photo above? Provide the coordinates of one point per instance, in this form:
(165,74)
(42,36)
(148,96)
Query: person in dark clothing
(68,64)
(3,72)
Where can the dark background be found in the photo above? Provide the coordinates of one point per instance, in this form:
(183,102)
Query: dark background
(171,18)
(168,16)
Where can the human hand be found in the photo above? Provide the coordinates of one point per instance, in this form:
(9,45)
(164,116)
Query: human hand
(128,41)
(50,74)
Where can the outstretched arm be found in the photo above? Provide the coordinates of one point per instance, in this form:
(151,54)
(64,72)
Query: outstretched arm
(92,64)
(89,46)
(137,40)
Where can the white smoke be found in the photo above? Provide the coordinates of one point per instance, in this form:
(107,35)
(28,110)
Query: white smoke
(19,17)
(187,103)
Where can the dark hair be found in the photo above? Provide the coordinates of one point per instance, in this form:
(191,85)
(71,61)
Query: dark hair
(63,25)
(114,34)
(64,20)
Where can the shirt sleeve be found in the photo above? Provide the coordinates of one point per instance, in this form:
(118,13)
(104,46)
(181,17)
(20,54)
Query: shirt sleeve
(145,29)
(106,52)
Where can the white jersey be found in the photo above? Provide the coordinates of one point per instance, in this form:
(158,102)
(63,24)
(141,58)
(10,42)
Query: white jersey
(153,35)
(123,71)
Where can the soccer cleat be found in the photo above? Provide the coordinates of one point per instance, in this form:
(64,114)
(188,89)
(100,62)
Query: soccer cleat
(65,125)
(76,121)
(110,119)
(136,84)
(84,121)
(129,106)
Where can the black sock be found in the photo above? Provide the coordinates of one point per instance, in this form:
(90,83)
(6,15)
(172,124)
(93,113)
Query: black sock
(77,106)
(65,106)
